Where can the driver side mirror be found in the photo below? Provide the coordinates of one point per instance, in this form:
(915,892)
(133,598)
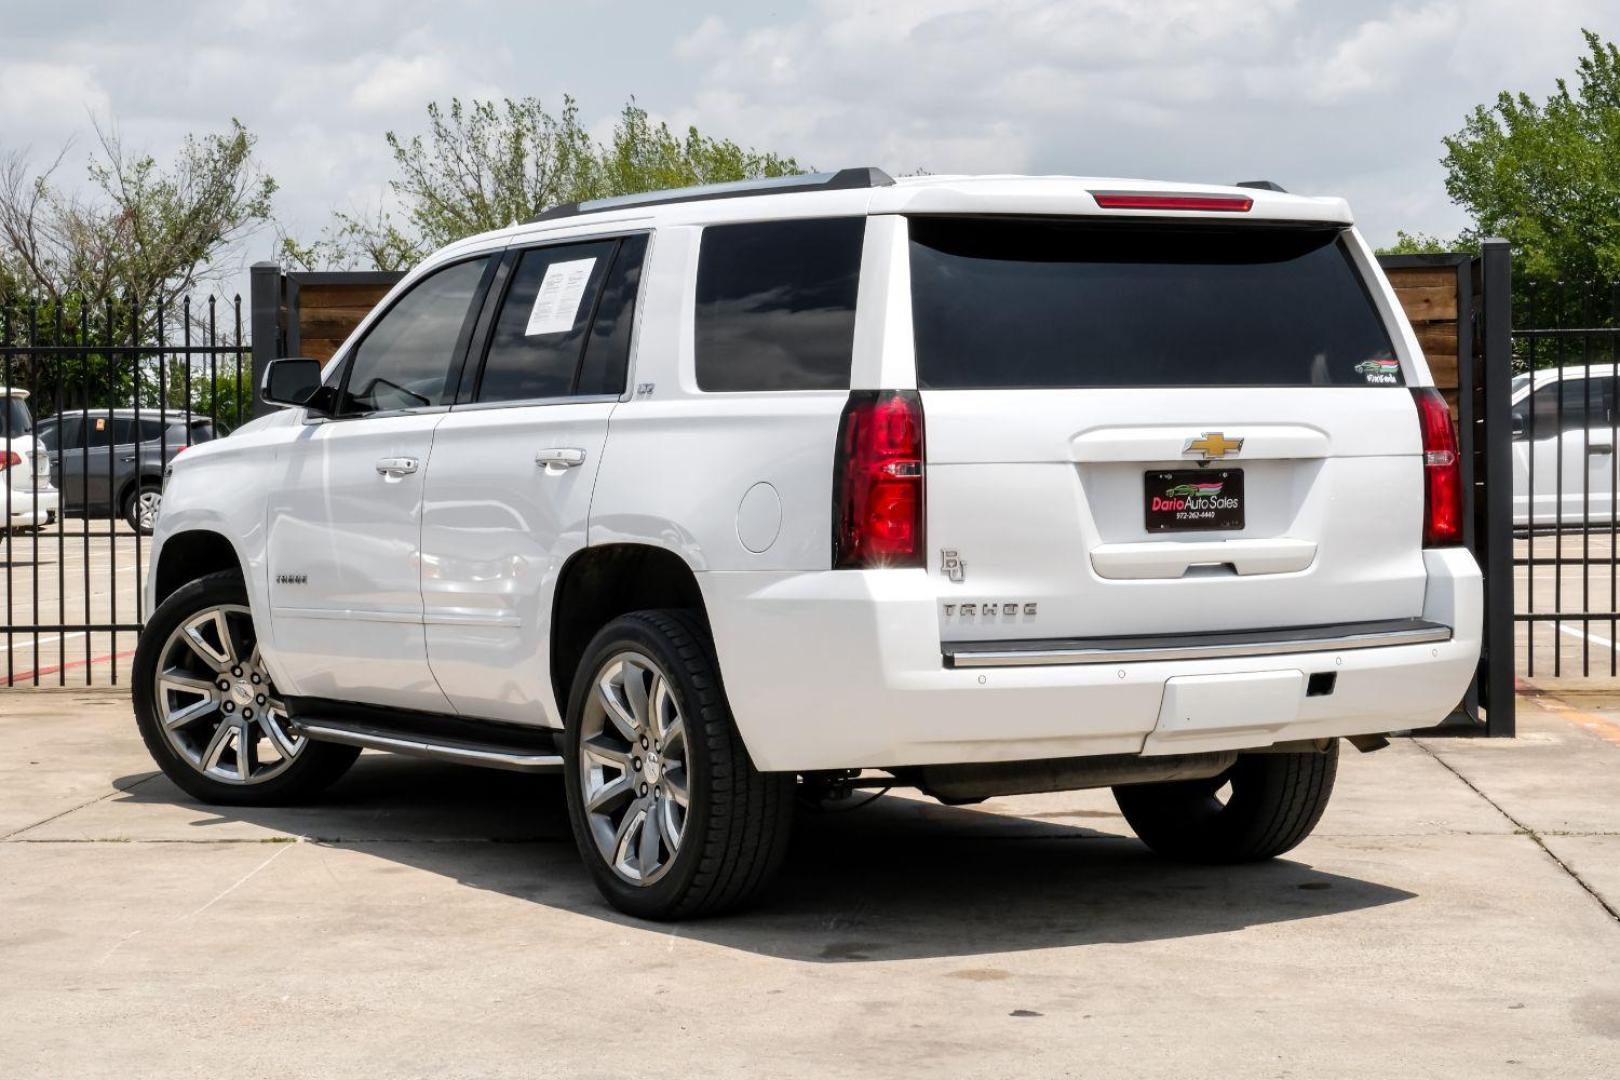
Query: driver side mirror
(295,381)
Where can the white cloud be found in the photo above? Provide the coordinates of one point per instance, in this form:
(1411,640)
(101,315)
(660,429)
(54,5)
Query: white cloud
(393,81)
(37,100)
(1344,96)
(1349,97)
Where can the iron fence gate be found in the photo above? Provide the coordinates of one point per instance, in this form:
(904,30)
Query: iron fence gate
(1566,479)
(96,400)
(72,601)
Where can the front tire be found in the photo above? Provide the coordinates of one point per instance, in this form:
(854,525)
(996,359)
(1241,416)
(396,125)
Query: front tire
(208,712)
(668,811)
(1275,802)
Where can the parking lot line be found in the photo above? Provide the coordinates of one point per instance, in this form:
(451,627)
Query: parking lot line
(45,640)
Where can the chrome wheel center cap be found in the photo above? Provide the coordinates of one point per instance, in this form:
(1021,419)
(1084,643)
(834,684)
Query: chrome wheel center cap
(242,692)
(651,767)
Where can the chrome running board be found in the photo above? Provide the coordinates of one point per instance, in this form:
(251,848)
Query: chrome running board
(1147,648)
(492,744)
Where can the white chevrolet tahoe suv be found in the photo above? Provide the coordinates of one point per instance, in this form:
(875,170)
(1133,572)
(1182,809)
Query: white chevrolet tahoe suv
(721,498)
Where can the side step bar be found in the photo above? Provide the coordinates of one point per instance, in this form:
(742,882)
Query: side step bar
(488,743)
(1144,648)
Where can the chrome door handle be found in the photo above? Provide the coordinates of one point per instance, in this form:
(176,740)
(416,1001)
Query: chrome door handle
(1599,448)
(395,467)
(566,456)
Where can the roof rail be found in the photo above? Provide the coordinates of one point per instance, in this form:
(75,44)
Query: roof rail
(841,180)
(1263,185)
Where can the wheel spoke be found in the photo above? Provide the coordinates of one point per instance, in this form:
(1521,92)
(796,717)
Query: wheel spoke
(179,718)
(675,738)
(620,716)
(667,827)
(633,678)
(675,784)
(600,750)
(626,830)
(220,658)
(661,706)
(286,745)
(647,850)
(216,747)
(176,679)
(611,794)
(247,750)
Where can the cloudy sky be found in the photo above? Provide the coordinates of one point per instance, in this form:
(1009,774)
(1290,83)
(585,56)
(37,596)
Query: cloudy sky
(1344,97)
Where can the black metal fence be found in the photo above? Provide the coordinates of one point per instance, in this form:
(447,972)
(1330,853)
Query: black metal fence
(113,392)
(1566,477)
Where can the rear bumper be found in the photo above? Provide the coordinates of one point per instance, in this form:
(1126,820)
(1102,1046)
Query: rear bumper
(28,509)
(836,670)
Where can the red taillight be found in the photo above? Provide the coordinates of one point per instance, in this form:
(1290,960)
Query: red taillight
(1442,471)
(878,481)
(1149,200)
(8,459)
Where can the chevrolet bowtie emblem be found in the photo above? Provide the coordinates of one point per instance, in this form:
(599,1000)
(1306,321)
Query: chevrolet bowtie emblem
(1212,444)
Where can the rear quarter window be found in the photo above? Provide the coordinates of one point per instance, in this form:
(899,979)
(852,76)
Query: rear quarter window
(776,304)
(1049,304)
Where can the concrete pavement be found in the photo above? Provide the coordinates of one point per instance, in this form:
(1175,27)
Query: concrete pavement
(1454,915)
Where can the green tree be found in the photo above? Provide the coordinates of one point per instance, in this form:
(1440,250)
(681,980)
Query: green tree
(1421,244)
(225,394)
(97,267)
(484,165)
(1547,176)
(145,231)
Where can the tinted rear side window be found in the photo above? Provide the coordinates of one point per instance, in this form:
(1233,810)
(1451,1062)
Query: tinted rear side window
(1019,304)
(776,304)
(535,349)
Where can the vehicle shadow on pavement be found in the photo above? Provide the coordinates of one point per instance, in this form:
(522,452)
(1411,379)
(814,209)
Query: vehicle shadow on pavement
(901,878)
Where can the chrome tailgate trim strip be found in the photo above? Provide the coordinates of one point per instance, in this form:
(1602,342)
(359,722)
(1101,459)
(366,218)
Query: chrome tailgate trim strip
(1146,648)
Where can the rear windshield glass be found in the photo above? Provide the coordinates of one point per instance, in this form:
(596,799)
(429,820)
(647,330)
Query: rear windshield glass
(1020,303)
(14,418)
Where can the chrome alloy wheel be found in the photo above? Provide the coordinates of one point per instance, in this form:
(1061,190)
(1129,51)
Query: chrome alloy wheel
(147,504)
(215,701)
(632,767)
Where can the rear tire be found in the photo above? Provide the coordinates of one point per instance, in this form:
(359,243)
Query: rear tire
(141,507)
(669,814)
(208,712)
(1276,801)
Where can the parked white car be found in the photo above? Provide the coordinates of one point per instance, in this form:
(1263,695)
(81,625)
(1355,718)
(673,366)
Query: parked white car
(1564,467)
(27,498)
(712,497)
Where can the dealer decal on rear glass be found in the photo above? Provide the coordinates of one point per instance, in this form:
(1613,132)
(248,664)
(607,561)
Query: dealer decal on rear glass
(1380,371)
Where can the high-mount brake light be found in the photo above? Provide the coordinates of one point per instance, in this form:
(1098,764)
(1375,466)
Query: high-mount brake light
(1442,470)
(878,482)
(1152,200)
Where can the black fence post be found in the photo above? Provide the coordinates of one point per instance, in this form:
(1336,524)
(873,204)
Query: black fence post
(265,315)
(1494,528)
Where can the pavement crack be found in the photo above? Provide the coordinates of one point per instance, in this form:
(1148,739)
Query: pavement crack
(81,806)
(1524,828)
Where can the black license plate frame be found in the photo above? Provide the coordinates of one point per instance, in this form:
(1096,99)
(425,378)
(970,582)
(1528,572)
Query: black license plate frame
(1181,500)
